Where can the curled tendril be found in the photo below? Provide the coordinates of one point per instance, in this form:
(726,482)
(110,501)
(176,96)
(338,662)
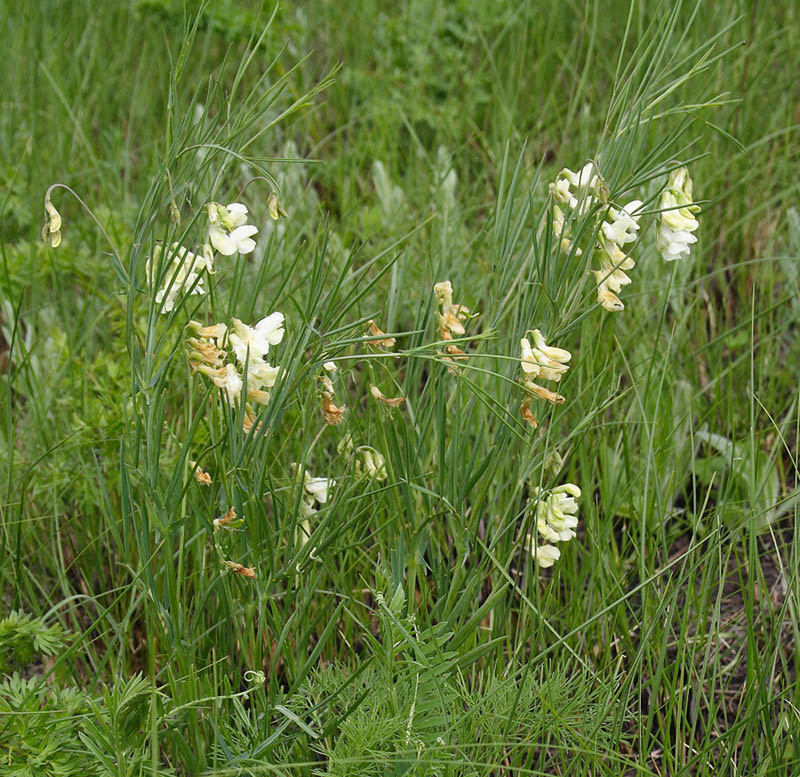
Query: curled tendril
(254,676)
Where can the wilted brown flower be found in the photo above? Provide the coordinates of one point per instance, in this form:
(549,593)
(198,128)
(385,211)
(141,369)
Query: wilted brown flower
(389,401)
(376,331)
(240,569)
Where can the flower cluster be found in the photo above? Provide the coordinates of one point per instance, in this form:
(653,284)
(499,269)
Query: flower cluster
(184,275)
(582,191)
(676,222)
(541,361)
(248,370)
(228,233)
(618,228)
(556,515)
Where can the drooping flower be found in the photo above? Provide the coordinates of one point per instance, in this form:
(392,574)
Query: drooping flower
(275,208)
(240,569)
(206,346)
(268,331)
(200,475)
(332,414)
(676,222)
(370,464)
(51,232)
(228,229)
(228,521)
(543,360)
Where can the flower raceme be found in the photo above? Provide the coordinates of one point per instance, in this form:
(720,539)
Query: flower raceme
(618,228)
(556,515)
(207,355)
(676,222)
(540,361)
(228,229)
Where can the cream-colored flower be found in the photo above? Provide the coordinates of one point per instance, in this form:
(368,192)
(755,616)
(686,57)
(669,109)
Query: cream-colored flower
(676,222)
(556,512)
(579,191)
(268,331)
(624,223)
(544,555)
(329,366)
(232,383)
(228,230)
(370,464)
(316,489)
(543,360)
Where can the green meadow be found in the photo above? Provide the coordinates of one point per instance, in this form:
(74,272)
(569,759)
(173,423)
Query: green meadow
(399,388)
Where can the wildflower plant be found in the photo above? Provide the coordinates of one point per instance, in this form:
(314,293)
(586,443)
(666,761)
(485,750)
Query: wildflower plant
(378,531)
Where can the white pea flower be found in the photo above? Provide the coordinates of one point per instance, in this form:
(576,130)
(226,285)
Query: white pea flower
(579,190)
(544,555)
(676,222)
(624,223)
(260,376)
(183,275)
(268,331)
(317,488)
(228,229)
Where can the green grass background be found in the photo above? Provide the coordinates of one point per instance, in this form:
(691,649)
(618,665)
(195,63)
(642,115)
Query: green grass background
(423,641)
